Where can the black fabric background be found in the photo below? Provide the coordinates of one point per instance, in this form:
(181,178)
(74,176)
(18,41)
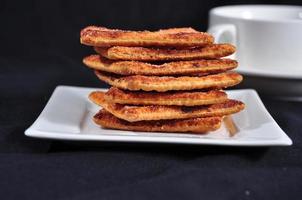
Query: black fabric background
(40,49)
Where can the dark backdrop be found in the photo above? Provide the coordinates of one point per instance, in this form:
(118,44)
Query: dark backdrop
(34,28)
(40,49)
(47,32)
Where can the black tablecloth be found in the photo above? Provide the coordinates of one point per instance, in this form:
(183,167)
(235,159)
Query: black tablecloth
(43,169)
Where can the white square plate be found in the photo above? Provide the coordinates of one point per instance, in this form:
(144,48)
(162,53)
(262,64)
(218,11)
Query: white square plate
(68,116)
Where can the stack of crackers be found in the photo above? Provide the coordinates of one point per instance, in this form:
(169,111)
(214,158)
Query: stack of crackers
(169,80)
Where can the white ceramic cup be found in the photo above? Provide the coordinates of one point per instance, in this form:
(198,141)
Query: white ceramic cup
(266,36)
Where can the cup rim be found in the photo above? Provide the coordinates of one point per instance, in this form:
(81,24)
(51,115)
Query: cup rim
(216,12)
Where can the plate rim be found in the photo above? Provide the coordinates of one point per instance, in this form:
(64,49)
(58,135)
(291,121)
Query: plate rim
(283,140)
(266,73)
(146,139)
